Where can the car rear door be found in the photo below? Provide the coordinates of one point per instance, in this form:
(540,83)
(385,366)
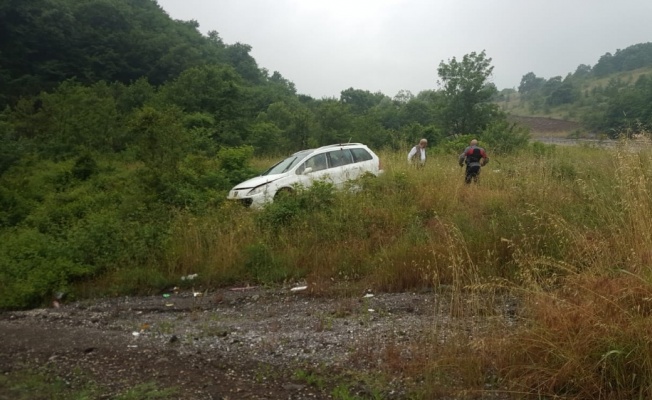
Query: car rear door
(341,162)
(363,162)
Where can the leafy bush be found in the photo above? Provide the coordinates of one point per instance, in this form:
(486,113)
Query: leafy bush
(84,167)
(455,145)
(301,201)
(33,266)
(503,138)
(234,163)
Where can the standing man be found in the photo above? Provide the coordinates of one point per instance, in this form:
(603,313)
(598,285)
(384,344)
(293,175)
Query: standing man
(475,157)
(417,156)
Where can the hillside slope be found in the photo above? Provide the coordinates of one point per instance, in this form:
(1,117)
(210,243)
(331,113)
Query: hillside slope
(546,126)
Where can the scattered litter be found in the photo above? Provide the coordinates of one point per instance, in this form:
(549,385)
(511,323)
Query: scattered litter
(169,304)
(371,310)
(197,294)
(240,289)
(189,277)
(136,334)
(298,288)
(132,345)
(166,295)
(366,296)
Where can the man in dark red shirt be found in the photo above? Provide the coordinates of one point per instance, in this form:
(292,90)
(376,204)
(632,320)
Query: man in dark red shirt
(474,157)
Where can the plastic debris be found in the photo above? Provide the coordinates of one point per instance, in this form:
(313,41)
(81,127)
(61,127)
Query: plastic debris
(166,295)
(169,304)
(298,288)
(197,294)
(189,277)
(371,310)
(241,289)
(366,296)
(135,334)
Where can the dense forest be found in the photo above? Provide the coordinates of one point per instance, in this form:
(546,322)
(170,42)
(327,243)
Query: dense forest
(117,121)
(610,97)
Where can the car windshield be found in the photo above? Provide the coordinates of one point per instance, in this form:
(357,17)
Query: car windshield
(288,163)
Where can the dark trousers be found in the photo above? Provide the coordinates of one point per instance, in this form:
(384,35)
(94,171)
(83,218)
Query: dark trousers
(472,172)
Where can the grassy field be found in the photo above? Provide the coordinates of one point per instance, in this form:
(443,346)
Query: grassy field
(565,232)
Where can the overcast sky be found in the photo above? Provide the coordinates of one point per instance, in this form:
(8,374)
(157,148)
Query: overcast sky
(326,46)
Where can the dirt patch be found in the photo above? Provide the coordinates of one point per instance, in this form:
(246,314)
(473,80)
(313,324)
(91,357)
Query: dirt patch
(249,343)
(546,126)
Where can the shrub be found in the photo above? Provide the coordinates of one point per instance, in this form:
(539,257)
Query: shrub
(33,266)
(300,201)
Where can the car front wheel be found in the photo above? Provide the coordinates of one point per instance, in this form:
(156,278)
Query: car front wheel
(283,193)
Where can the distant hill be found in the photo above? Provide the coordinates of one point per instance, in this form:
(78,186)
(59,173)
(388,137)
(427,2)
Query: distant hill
(610,98)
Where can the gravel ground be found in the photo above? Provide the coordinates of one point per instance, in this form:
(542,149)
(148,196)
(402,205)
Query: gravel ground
(235,343)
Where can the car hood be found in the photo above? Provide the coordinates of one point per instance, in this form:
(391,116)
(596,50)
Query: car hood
(257,181)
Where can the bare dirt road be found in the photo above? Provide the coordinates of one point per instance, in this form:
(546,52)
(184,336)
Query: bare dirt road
(247,343)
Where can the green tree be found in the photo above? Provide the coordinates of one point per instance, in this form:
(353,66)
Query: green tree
(565,93)
(504,137)
(162,143)
(530,83)
(44,42)
(238,56)
(295,121)
(334,122)
(213,89)
(360,101)
(266,138)
(628,110)
(72,118)
(467,93)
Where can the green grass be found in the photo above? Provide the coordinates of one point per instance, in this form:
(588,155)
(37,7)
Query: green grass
(35,384)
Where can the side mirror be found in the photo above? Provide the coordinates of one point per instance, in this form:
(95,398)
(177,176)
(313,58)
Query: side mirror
(307,170)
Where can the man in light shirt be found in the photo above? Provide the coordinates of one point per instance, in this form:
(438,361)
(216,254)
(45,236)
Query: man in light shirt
(417,156)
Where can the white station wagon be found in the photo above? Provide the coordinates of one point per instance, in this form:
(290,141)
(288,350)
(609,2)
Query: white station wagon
(337,164)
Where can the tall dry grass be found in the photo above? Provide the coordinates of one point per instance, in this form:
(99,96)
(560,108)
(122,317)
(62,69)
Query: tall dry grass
(542,270)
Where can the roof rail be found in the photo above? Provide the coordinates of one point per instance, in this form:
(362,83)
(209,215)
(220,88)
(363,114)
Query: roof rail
(340,144)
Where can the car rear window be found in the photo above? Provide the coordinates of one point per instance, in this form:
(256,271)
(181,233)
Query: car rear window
(360,155)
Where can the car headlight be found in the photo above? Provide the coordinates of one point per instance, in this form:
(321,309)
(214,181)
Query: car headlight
(257,190)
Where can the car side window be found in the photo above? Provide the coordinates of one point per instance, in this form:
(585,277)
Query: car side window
(317,163)
(340,157)
(360,155)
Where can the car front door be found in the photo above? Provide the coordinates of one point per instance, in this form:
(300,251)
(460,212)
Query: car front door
(315,168)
